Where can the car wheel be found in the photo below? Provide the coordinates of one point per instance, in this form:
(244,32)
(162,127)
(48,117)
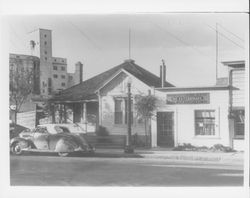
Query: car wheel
(63,154)
(16,148)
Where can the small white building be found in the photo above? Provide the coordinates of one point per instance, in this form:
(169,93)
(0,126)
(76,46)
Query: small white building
(201,116)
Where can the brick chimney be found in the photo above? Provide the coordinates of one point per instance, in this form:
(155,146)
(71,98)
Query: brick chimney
(79,71)
(162,74)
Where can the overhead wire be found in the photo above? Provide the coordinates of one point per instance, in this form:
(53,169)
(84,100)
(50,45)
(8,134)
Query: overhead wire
(231,33)
(85,36)
(182,41)
(18,38)
(225,37)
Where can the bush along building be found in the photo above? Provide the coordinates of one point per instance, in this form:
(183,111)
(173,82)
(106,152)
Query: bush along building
(201,116)
(50,73)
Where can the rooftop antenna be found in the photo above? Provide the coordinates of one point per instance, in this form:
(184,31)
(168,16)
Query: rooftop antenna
(129,43)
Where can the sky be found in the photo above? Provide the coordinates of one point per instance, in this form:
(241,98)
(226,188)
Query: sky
(187,42)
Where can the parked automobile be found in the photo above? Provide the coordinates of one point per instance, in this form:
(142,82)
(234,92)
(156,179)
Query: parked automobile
(50,138)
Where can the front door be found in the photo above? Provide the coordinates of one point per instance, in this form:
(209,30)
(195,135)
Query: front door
(165,129)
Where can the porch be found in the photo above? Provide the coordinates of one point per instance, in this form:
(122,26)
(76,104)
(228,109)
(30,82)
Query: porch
(82,114)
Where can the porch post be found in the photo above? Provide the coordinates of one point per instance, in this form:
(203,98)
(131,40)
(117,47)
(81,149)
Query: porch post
(64,113)
(52,110)
(60,113)
(84,112)
(85,121)
(99,109)
(153,132)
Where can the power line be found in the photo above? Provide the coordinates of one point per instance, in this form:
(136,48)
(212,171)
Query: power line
(183,42)
(231,33)
(86,36)
(226,37)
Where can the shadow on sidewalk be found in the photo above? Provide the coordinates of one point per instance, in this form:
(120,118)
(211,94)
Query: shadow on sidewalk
(89,155)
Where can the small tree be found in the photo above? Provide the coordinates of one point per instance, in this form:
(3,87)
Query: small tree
(145,107)
(21,86)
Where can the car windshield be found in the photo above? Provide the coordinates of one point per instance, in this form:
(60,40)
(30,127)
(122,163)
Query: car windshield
(61,129)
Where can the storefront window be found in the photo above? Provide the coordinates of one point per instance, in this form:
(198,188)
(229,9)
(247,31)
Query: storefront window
(239,123)
(205,122)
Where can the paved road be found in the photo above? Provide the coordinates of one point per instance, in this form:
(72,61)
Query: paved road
(36,170)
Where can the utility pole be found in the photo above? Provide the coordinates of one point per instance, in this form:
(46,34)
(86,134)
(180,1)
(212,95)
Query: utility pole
(217,44)
(129,148)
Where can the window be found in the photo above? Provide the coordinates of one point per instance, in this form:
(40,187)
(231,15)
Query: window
(239,123)
(54,67)
(63,84)
(121,111)
(45,35)
(63,76)
(63,68)
(45,52)
(45,58)
(55,75)
(118,111)
(45,42)
(205,122)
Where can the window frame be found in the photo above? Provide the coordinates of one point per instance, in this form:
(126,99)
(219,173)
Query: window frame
(124,112)
(121,111)
(239,136)
(204,118)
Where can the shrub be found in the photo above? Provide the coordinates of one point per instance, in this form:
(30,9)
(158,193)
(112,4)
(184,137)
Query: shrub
(215,148)
(102,135)
(102,131)
(221,148)
(137,141)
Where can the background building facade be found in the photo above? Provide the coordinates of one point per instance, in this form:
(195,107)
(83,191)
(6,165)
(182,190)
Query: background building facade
(52,71)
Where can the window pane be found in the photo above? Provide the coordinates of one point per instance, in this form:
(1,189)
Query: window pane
(118,112)
(239,123)
(205,122)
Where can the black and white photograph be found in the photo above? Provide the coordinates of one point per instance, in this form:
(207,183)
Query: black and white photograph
(128,99)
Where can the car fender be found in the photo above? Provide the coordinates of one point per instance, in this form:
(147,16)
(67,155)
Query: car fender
(66,145)
(25,143)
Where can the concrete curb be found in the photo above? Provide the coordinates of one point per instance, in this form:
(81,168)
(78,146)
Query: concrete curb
(229,158)
(197,157)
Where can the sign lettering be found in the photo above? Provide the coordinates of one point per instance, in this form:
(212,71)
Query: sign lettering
(192,98)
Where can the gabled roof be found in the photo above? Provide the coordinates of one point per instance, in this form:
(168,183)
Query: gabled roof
(86,90)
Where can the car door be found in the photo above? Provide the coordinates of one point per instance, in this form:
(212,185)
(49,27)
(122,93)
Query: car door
(41,136)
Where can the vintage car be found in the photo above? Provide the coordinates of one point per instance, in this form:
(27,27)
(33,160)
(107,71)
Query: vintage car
(50,138)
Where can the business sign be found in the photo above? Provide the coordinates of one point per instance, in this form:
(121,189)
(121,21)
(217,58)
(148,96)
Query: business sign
(191,98)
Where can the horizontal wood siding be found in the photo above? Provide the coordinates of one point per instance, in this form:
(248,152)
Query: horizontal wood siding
(238,82)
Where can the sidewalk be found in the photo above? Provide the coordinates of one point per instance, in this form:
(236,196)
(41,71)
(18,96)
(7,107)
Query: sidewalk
(218,157)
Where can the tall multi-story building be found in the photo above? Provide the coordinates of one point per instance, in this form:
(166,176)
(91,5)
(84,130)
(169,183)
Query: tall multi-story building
(52,71)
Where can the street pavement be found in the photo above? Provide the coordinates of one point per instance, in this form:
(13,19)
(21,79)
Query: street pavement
(111,170)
